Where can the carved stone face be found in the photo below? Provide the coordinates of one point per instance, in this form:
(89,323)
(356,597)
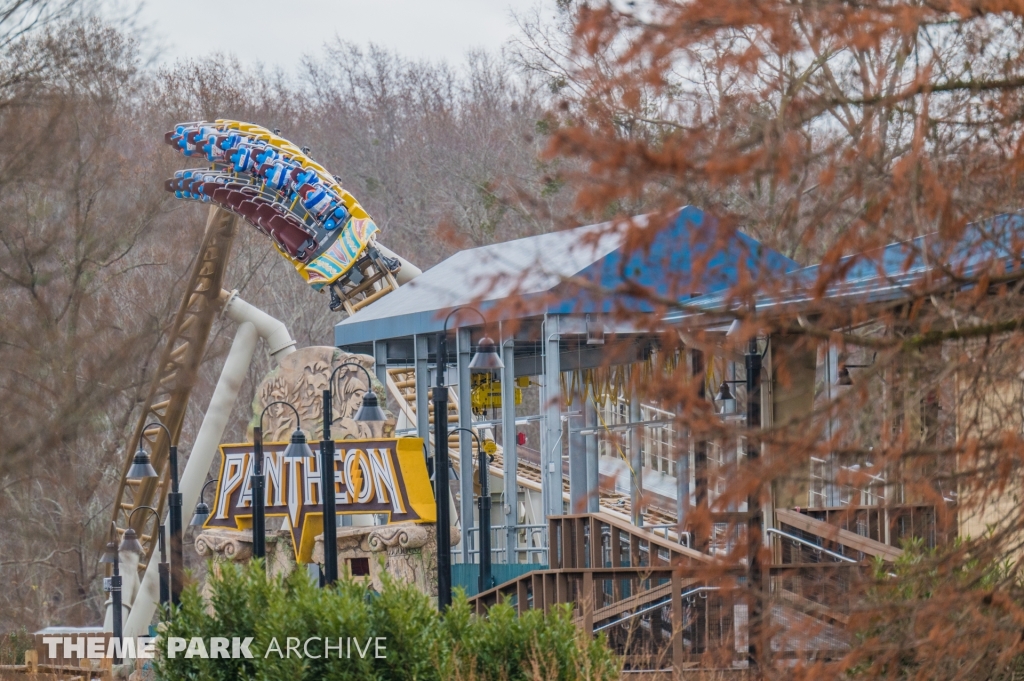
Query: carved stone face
(300,379)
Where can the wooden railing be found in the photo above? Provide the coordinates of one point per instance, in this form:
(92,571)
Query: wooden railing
(664,605)
(572,544)
(38,665)
(833,535)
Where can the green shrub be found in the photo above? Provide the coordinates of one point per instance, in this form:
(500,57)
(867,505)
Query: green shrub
(419,643)
(14,645)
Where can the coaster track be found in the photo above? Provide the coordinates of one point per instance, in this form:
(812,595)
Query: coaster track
(171,387)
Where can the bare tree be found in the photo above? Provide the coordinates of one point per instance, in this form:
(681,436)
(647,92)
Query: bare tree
(828,131)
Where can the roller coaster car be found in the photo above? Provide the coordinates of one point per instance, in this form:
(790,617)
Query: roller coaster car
(274,185)
(290,234)
(319,203)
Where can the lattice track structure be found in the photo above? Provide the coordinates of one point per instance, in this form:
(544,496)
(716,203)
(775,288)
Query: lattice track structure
(171,387)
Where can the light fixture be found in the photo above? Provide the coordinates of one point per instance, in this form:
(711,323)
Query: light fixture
(297,448)
(142,466)
(130,542)
(726,398)
(370,412)
(843,373)
(724,393)
(486,357)
(200,514)
(110,554)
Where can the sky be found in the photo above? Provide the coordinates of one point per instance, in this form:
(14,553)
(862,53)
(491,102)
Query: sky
(278,33)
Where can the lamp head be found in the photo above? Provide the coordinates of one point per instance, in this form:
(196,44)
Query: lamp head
(130,542)
(110,554)
(370,411)
(200,514)
(297,448)
(724,393)
(141,466)
(843,376)
(486,357)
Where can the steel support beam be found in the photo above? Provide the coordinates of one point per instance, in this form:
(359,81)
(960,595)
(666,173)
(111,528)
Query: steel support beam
(551,426)
(380,361)
(636,463)
(593,465)
(510,450)
(578,492)
(422,391)
(832,465)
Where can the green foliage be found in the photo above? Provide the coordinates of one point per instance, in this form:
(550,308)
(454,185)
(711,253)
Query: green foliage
(14,645)
(419,643)
(925,594)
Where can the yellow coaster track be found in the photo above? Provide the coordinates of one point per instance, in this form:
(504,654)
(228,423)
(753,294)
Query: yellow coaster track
(172,384)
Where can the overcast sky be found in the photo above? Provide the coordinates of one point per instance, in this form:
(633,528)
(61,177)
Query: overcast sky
(279,32)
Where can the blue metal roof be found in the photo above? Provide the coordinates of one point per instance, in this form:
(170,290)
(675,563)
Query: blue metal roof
(893,272)
(689,256)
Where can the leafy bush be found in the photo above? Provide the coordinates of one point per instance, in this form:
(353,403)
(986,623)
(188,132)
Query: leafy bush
(419,644)
(14,645)
(934,612)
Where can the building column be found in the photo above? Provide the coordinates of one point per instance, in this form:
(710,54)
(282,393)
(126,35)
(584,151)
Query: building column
(466,505)
(422,391)
(577,458)
(551,425)
(636,463)
(380,362)
(832,492)
(510,450)
(593,464)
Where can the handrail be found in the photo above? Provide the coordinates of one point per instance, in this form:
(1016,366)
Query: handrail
(699,589)
(835,534)
(667,527)
(772,530)
(497,547)
(640,533)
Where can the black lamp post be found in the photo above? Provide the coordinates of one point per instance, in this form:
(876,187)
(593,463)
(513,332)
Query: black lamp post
(485,358)
(370,411)
(484,504)
(297,449)
(131,543)
(111,556)
(202,509)
(142,468)
(753,363)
